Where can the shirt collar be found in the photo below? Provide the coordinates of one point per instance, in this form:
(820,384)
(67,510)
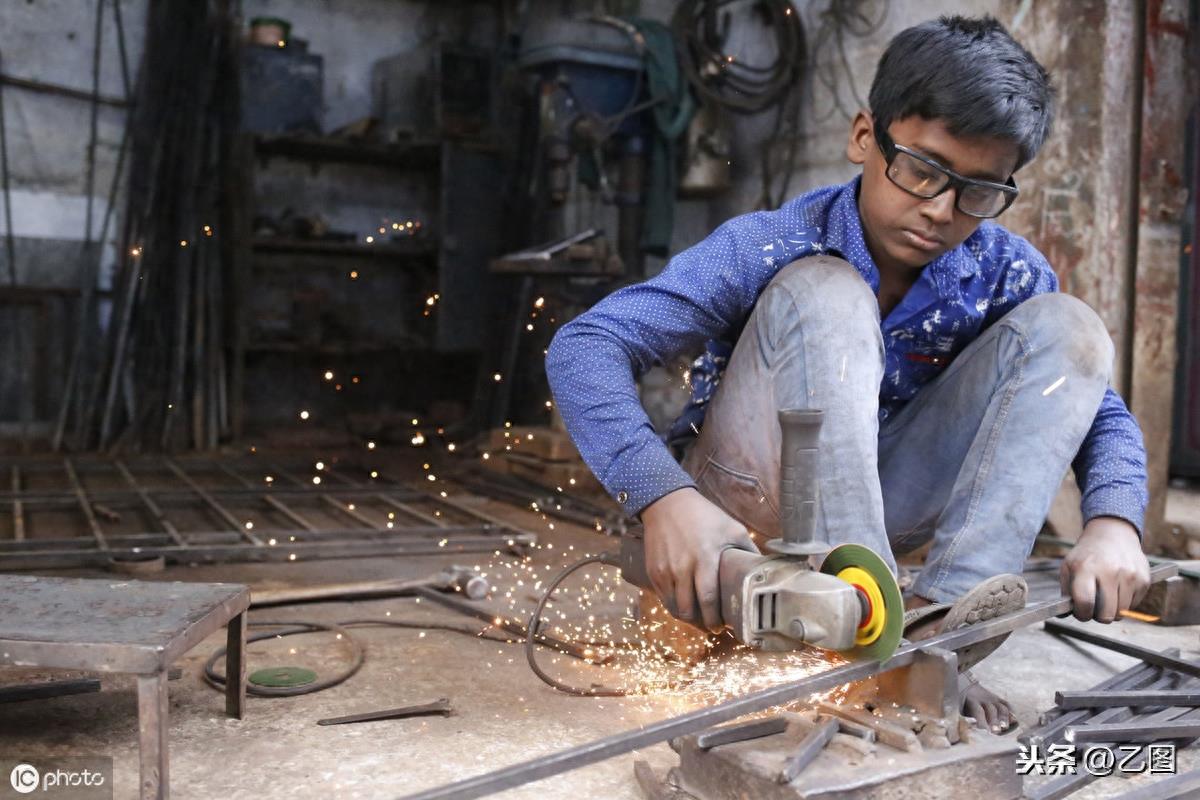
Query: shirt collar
(844,234)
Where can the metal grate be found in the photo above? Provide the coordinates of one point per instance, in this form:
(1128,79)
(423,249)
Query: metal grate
(210,509)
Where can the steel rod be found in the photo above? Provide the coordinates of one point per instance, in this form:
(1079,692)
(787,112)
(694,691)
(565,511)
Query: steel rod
(85,505)
(517,629)
(212,503)
(1136,697)
(18,508)
(1117,681)
(664,730)
(415,513)
(1124,648)
(155,511)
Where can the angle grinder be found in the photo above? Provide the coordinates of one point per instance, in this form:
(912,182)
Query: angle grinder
(777,601)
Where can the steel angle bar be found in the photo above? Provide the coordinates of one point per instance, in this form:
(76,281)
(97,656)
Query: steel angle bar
(1125,648)
(269,499)
(1132,731)
(809,748)
(1120,680)
(692,722)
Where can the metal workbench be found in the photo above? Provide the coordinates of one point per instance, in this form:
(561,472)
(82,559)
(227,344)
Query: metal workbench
(135,627)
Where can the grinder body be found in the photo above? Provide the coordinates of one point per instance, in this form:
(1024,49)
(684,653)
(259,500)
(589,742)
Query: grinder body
(778,601)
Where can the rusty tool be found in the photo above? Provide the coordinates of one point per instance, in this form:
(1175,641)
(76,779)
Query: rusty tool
(440,707)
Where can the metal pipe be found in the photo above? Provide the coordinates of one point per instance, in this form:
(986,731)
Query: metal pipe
(1124,648)
(85,505)
(664,730)
(148,502)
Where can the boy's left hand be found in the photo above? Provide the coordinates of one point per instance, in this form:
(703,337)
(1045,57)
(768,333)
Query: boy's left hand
(1106,571)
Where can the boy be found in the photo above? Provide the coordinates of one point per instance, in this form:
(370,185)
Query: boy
(958,384)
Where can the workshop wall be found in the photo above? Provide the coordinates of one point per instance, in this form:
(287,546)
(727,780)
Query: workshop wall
(48,134)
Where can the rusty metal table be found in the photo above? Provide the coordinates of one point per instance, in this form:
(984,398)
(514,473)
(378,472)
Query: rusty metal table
(136,627)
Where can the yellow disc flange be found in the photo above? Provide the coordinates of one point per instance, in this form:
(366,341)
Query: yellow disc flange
(871,626)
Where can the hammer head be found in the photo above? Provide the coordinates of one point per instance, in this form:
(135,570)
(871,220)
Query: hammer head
(457,578)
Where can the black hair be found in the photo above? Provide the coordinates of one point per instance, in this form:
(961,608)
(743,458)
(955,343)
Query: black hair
(972,75)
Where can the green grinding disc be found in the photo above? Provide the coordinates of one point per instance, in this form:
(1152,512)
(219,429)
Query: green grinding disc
(283,676)
(855,555)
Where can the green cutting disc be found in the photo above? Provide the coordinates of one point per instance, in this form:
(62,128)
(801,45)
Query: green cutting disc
(283,676)
(879,633)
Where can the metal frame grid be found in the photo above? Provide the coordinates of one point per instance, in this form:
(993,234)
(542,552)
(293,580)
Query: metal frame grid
(197,510)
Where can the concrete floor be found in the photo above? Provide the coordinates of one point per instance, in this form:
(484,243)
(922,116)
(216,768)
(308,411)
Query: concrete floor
(504,714)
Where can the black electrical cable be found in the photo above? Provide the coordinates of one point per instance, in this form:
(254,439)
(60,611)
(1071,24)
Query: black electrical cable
(718,76)
(533,628)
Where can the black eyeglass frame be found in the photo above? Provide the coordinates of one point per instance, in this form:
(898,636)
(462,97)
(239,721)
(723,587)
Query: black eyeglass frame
(889,148)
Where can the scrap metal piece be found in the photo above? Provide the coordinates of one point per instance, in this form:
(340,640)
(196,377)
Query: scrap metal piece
(439,707)
(1125,648)
(1138,676)
(1134,697)
(755,729)
(809,748)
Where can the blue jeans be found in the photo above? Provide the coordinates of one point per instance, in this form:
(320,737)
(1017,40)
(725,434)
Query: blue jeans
(972,462)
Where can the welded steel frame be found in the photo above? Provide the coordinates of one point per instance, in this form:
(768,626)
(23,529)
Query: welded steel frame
(413,532)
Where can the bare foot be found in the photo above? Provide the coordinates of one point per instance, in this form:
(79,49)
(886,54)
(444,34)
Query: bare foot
(990,710)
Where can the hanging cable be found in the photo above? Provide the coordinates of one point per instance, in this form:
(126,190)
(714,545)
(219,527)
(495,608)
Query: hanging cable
(703,33)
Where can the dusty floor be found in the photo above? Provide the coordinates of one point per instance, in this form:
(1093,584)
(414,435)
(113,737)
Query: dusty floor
(503,713)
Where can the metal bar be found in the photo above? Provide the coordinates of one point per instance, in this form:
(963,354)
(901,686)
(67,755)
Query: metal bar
(1137,697)
(110,497)
(270,500)
(18,507)
(235,666)
(152,736)
(1181,785)
(439,707)
(1132,732)
(242,552)
(212,503)
(148,502)
(412,512)
(810,747)
(1140,676)
(85,504)
(729,734)
(1124,648)
(1118,681)
(62,91)
(47,689)
(664,730)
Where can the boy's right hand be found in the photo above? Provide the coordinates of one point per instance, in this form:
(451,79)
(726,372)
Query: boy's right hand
(684,538)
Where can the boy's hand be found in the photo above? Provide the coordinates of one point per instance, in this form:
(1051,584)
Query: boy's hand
(1106,571)
(684,537)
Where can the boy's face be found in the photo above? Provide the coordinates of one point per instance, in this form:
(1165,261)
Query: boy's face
(905,232)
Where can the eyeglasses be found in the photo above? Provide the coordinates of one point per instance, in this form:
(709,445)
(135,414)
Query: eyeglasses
(925,178)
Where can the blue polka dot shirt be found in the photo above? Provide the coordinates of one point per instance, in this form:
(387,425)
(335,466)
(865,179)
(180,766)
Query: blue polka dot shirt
(701,301)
